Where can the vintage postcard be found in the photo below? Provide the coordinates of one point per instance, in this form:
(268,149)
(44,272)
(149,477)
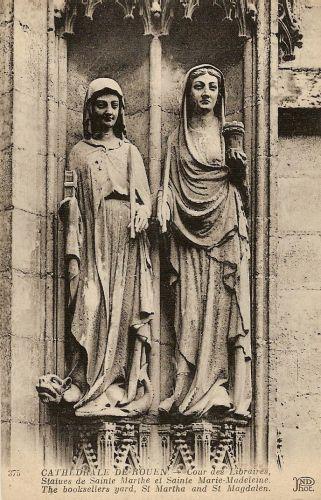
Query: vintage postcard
(160,260)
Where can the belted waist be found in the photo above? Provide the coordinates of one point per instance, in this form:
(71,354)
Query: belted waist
(117,196)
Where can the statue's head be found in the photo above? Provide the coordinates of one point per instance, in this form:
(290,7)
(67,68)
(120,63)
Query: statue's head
(104,108)
(204,91)
(105,112)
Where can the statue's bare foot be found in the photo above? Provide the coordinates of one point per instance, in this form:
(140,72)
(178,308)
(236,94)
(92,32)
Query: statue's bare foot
(101,412)
(245,415)
(72,395)
(166,405)
(140,406)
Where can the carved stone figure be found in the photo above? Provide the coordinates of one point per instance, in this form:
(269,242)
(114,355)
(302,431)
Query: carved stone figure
(208,254)
(109,269)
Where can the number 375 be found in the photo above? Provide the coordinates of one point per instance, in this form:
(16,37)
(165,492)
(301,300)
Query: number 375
(13,472)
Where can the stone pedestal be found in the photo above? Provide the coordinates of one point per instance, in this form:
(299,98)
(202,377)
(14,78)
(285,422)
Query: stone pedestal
(90,444)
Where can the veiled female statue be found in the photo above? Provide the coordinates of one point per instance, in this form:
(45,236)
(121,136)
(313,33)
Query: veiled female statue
(208,255)
(109,269)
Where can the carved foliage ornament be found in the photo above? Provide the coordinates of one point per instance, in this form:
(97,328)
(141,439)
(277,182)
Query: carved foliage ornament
(289,31)
(156,14)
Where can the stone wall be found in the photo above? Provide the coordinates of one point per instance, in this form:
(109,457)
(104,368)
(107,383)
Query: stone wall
(23,222)
(30,279)
(295,338)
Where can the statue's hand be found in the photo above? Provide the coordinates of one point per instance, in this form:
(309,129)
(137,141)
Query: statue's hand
(141,219)
(163,213)
(64,208)
(73,277)
(236,158)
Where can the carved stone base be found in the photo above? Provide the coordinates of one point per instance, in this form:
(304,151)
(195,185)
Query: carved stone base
(202,445)
(103,444)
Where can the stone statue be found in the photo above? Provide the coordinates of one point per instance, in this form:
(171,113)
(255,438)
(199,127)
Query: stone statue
(109,268)
(208,254)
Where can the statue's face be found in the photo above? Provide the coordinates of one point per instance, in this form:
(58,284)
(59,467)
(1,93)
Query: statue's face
(204,93)
(105,111)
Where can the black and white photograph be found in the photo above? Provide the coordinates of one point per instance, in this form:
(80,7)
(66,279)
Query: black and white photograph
(160,257)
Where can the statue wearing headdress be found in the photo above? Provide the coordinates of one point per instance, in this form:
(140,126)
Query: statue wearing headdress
(109,269)
(208,256)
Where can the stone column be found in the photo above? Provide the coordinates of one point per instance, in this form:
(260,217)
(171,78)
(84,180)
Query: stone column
(155,123)
(106,446)
(264,120)
(23,224)
(28,224)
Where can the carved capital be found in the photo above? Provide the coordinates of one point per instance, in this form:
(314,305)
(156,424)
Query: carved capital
(290,35)
(107,445)
(59,8)
(157,15)
(244,13)
(202,445)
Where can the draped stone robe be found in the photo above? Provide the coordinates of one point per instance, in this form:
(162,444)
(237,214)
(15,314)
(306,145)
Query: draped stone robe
(114,301)
(209,257)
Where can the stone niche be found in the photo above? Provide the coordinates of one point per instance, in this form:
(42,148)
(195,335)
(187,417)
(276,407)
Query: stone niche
(109,46)
(115,47)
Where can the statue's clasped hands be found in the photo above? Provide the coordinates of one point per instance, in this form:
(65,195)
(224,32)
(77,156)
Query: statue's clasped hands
(141,218)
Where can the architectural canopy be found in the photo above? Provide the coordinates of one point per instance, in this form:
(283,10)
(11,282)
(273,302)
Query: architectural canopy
(157,16)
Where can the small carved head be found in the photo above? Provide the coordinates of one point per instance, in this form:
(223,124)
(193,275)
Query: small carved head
(59,8)
(51,388)
(252,11)
(156,9)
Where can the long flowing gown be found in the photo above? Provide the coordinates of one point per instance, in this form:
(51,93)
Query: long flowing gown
(114,302)
(209,257)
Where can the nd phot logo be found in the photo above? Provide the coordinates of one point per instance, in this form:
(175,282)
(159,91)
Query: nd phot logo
(303,483)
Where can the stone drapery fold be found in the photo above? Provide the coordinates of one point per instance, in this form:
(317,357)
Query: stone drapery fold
(209,256)
(114,300)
